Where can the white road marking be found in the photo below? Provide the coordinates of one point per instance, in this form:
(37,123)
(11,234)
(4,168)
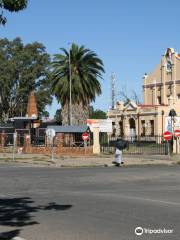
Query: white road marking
(119,196)
(18,238)
(152,200)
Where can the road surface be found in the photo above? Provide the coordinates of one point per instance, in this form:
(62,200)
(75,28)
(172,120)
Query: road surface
(43,203)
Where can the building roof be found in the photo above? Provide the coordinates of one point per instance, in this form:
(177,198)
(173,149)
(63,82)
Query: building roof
(130,105)
(24,118)
(150,105)
(49,123)
(70,129)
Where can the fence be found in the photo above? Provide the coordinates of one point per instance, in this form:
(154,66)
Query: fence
(8,143)
(147,145)
(7,139)
(40,139)
(61,139)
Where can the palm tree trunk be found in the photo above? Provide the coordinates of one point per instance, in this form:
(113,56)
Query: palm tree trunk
(80,114)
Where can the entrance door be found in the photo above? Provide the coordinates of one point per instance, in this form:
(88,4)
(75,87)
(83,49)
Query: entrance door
(132,130)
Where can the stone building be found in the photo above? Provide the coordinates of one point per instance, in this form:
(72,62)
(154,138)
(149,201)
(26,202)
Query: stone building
(161,89)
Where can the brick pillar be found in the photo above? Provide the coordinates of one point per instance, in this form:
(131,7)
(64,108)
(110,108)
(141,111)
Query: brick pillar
(3,139)
(27,143)
(178,146)
(96,143)
(59,138)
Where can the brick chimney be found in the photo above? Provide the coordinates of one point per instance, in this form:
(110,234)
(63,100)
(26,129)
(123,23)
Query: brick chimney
(31,107)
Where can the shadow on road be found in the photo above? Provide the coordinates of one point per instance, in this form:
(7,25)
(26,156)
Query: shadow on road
(54,206)
(9,235)
(17,212)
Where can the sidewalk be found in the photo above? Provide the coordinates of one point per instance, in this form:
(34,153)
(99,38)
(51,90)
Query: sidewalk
(86,161)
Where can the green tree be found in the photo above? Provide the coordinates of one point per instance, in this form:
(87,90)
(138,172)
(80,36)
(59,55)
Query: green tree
(96,114)
(11,6)
(45,114)
(58,116)
(23,68)
(86,69)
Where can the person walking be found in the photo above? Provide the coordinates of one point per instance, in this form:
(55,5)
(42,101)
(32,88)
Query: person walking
(120,145)
(118,157)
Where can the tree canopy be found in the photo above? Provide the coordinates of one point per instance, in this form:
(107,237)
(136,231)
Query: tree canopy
(58,116)
(85,69)
(11,6)
(96,114)
(23,68)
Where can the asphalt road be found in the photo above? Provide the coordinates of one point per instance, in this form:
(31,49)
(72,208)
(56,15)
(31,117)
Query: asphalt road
(89,203)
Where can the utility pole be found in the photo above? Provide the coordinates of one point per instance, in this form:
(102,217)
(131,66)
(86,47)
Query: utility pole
(70,90)
(113,90)
(21,107)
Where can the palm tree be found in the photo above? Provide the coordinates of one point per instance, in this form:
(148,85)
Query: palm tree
(86,69)
(11,6)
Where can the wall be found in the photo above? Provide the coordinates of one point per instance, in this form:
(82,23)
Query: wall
(59,150)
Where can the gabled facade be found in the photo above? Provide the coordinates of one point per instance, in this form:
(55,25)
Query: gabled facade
(161,90)
(164,81)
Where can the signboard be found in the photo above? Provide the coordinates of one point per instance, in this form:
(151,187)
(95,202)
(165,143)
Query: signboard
(105,125)
(169,122)
(15,136)
(167,135)
(177,133)
(85,136)
(50,132)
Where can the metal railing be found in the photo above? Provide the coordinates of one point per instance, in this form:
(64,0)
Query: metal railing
(147,145)
(63,139)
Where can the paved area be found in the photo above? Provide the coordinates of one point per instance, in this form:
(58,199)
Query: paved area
(47,203)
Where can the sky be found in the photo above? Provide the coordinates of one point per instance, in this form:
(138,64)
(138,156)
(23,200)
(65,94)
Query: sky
(129,36)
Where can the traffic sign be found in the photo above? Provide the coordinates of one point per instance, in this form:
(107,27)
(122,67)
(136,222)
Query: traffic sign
(85,136)
(167,135)
(50,133)
(177,133)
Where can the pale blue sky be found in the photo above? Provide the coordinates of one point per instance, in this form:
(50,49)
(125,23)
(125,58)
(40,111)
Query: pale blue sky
(130,36)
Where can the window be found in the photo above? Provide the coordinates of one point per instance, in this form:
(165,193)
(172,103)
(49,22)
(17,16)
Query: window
(152,127)
(143,130)
(178,97)
(159,100)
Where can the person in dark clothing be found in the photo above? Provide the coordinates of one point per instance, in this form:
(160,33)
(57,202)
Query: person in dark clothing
(120,146)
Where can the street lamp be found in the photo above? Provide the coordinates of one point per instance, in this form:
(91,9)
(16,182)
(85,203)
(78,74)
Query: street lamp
(172,114)
(70,89)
